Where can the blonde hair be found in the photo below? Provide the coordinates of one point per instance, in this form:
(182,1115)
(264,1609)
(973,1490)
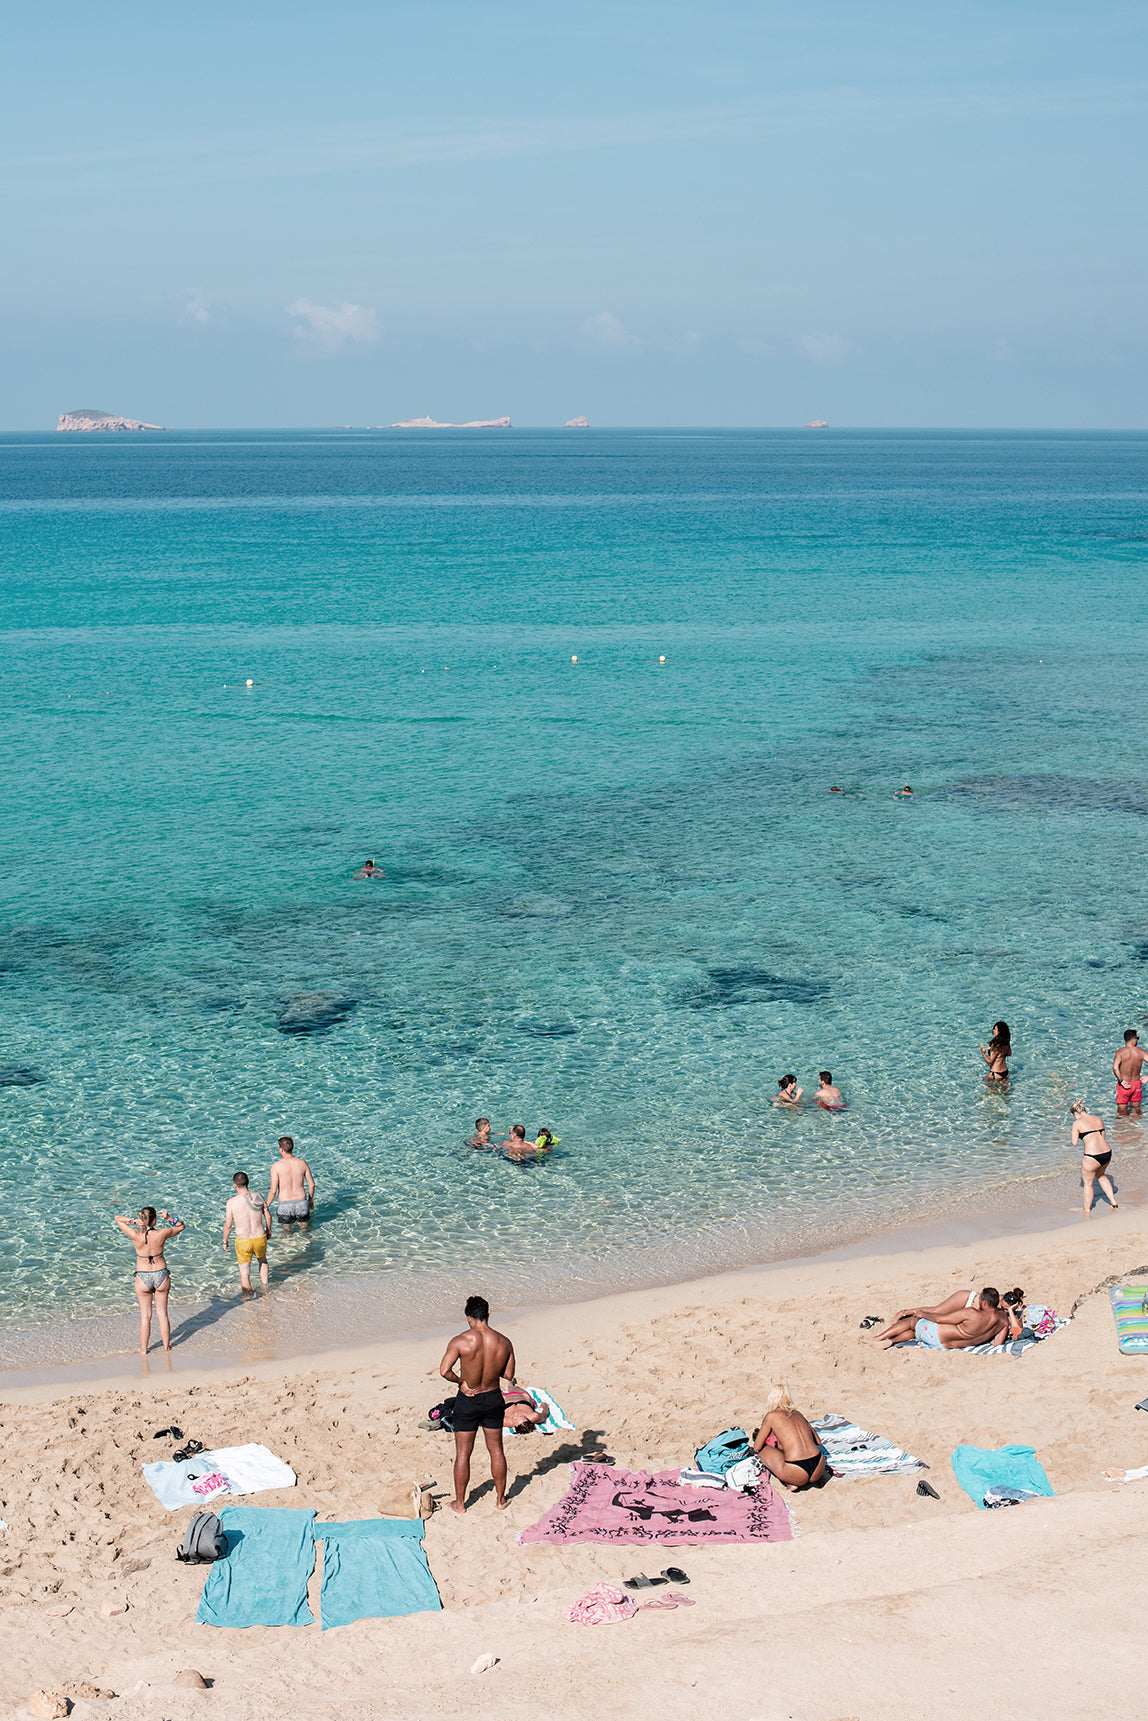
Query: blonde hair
(779,1399)
(1078,1107)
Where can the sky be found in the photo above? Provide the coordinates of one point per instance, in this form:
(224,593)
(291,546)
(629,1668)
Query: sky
(731,213)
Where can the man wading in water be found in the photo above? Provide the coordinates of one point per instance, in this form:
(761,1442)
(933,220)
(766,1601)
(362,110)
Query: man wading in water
(484,1359)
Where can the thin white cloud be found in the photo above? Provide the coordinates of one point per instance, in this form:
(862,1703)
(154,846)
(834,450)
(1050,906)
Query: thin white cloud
(333,325)
(608,331)
(196,306)
(270,154)
(825,349)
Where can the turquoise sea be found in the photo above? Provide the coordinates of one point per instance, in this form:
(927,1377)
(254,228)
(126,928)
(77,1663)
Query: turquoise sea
(619,899)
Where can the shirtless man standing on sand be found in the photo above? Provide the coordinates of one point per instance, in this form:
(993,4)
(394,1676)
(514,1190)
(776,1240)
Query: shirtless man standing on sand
(292,1185)
(953,1325)
(484,1358)
(1127,1066)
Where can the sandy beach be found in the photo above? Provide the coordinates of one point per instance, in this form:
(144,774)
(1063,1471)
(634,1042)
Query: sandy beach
(887,1605)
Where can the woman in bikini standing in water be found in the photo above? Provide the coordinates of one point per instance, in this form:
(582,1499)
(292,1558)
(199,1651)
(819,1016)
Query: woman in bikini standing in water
(1086,1126)
(152,1279)
(997,1053)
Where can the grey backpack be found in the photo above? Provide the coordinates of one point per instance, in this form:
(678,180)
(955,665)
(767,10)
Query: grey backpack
(203,1541)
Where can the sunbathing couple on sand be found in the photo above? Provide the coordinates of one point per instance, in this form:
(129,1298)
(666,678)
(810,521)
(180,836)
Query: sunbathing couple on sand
(962,1320)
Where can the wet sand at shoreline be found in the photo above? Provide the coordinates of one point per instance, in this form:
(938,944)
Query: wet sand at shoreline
(888,1606)
(309,1313)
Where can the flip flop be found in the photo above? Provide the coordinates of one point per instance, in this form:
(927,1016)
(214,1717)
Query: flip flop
(176,1433)
(675,1575)
(188,1451)
(642,1582)
(598,1458)
(681,1601)
(872,1321)
(649,1606)
(927,1490)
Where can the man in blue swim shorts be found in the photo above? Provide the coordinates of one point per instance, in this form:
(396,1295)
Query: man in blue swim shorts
(954,1325)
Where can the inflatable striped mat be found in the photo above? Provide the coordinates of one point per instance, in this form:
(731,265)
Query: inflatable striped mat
(1131,1320)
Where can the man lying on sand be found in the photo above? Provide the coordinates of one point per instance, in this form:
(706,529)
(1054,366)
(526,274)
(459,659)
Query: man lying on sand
(484,1359)
(964,1319)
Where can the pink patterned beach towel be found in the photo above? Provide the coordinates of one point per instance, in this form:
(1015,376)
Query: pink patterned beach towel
(605,1504)
(603,1605)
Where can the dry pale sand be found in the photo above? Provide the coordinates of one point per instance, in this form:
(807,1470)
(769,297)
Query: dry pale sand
(888,1607)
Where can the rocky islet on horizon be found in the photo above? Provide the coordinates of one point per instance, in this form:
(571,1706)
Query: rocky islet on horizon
(471,424)
(88,418)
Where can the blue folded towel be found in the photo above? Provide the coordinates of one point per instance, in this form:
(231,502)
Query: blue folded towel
(262,1578)
(374,1569)
(978,1469)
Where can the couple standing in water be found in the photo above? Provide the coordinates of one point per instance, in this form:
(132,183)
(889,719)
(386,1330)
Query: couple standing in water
(827,1096)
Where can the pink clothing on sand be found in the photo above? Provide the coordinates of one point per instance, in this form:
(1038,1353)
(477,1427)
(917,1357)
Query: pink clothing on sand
(603,1605)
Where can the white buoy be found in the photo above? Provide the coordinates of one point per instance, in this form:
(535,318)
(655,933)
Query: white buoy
(250,684)
(661,660)
(573,660)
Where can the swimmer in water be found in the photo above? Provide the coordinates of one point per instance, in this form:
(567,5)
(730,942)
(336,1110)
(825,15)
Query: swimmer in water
(903,794)
(547,1140)
(827,1096)
(788,1093)
(516,1145)
(481,1136)
(836,791)
(370,870)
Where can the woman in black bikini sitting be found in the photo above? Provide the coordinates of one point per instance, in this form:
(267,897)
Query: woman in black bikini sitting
(152,1279)
(787,1445)
(1086,1127)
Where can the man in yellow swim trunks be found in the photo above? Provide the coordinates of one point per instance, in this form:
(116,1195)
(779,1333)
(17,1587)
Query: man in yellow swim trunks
(251,1217)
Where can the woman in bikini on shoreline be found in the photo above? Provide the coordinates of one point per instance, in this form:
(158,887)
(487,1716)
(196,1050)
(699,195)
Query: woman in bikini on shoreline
(152,1280)
(1086,1126)
(786,1444)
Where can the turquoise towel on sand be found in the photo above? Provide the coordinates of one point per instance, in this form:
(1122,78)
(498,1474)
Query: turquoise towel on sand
(262,1578)
(977,1470)
(374,1569)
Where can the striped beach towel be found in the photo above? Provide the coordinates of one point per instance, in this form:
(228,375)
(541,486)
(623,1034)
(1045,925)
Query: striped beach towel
(1131,1321)
(853,1451)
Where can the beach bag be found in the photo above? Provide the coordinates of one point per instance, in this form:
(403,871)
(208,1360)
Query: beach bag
(723,1452)
(442,1415)
(203,1541)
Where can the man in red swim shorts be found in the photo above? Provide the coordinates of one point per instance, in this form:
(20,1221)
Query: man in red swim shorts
(1127,1067)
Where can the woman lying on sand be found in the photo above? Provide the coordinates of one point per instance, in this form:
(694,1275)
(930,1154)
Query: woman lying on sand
(152,1280)
(786,1444)
(964,1319)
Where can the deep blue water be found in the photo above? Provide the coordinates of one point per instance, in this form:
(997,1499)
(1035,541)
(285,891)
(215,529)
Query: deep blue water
(619,899)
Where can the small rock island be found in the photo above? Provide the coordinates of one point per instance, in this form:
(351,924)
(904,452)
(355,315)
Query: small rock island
(472,424)
(577,424)
(87,418)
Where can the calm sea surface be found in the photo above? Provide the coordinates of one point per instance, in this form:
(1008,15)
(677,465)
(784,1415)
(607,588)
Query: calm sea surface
(619,899)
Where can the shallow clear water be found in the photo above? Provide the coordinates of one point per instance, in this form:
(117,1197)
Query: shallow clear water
(618,897)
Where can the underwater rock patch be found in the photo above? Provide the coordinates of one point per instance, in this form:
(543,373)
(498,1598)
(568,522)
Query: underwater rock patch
(313,1012)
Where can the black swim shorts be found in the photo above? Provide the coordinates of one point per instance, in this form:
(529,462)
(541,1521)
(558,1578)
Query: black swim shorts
(483,1410)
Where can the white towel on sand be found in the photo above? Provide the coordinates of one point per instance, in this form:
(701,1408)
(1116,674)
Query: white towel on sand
(247,1469)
